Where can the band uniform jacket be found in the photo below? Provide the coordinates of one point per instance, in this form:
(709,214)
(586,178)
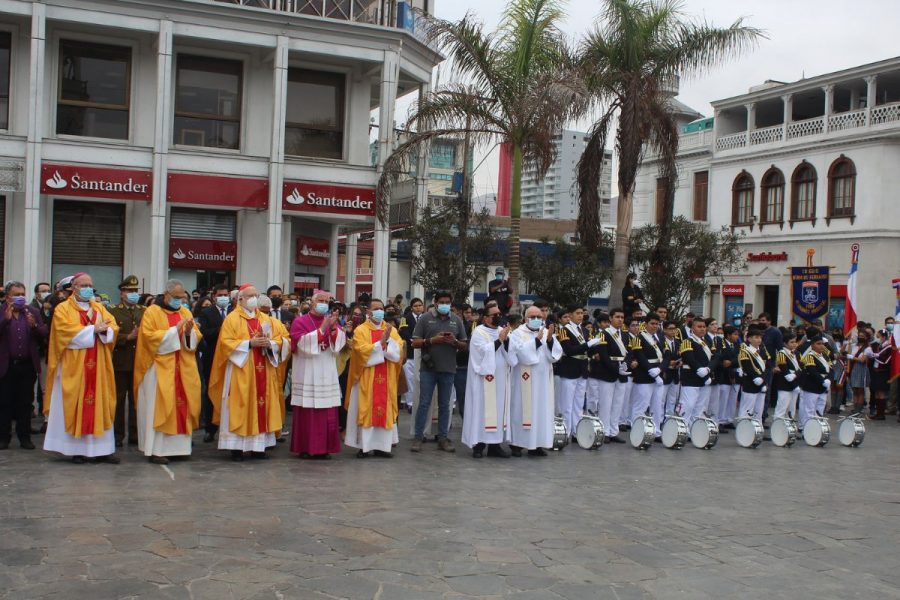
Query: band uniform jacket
(753,366)
(649,356)
(695,354)
(670,350)
(611,357)
(574,362)
(787,363)
(128,318)
(730,352)
(628,340)
(816,369)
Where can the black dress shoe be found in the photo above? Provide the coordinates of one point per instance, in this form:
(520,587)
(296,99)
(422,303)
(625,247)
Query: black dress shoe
(515,451)
(478,450)
(625,427)
(260,455)
(159,460)
(616,440)
(658,439)
(26,444)
(209,438)
(237,455)
(78,460)
(361,454)
(537,452)
(382,454)
(109,458)
(497,451)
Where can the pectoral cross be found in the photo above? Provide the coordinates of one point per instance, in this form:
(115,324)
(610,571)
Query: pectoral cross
(260,367)
(380,380)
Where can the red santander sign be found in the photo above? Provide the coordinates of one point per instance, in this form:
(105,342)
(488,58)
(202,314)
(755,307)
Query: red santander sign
(313,251)
(202,254)
(733,289)
(96,182)
(326,198)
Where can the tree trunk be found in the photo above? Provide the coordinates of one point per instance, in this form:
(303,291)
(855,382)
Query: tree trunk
(515,217)
(462,294)
(622,248)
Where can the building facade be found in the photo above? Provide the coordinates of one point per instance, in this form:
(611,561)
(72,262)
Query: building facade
(802,169)
(555,196)
(213,141)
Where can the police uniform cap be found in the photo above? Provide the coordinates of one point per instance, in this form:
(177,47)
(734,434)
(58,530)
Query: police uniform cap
(130,283)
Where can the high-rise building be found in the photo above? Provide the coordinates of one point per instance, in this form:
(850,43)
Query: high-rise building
(555,196)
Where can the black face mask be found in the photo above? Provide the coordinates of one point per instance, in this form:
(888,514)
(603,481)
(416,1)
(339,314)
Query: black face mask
(495,319)
(277,302)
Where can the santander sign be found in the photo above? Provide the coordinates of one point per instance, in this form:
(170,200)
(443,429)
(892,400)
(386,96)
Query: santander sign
(96,182)
(327,198)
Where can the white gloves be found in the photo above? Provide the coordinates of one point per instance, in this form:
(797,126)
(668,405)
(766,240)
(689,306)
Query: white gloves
(765,389)
(827,384)
(707,382)
(702,372)
(758,381)
(593,342)
(654,372)
(740,372)
(622,368)
(790,377)
(659,381)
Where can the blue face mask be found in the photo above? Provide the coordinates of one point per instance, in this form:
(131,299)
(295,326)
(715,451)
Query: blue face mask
(377,315)
(222,301)
(132,297)
(443,309)
(322,308)
(175,303)
(86,294)
(535,323)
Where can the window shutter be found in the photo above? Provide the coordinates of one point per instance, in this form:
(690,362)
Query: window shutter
(192,224)
(88,233)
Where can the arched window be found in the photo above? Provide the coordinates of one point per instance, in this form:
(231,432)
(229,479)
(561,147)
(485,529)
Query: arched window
(841,188)
(742,200)
(772,209)
(803,192)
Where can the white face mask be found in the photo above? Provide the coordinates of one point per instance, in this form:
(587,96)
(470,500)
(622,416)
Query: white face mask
(252,303)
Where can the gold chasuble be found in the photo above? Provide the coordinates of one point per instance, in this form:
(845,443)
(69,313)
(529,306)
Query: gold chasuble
(86,374)
(250,375)
(177,408)
(378,383)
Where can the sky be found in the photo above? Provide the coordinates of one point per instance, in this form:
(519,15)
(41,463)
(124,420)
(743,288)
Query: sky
(805,38)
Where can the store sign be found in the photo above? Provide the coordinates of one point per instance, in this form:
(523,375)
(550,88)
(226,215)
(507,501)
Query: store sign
(767,257)
(203,254)
(313,251)
(96,182)
(733,289)
(217,190)
(810,292)
(326,198)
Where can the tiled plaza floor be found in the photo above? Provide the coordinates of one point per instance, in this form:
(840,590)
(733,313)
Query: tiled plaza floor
(728,523)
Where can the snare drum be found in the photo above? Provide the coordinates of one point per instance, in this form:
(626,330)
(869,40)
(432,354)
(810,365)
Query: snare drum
(748,432)
(704,433)
(589,432)
(817,431)
(560,434)
(784,432)
(641,434)
(674,433)
(851,431)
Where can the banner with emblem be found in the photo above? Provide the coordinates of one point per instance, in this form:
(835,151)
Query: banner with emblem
(809,292)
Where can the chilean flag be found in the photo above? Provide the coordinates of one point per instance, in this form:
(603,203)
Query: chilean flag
(895,339)
(850,308)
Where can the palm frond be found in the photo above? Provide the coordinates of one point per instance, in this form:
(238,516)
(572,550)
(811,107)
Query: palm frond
(695,48)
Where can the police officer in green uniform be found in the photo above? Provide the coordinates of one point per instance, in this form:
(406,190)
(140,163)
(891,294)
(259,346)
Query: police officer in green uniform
(128,315)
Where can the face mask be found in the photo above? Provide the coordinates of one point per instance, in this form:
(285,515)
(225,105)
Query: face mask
(535,323)
(294,303)
(889,326)
(252,303)
(322,308)
(19,301)
(132,297)
(377,315)
(356,319)
(86,294)
(222,301)
(277,302)
(495,320)
(175,303)
(44,295)
(443,309)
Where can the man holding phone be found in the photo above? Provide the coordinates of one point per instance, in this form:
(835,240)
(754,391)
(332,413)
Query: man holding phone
(440,335)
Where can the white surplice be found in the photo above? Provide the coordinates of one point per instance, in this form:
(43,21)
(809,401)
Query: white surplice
(371,438)
(534,364)
(314,374)
(150,441)
(487,381)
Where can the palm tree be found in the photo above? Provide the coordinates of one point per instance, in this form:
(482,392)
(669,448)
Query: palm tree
(630,60)
(517,85)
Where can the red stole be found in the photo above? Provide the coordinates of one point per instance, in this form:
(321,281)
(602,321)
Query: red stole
(180,395)
(90,378)
(379,389)
(259,371)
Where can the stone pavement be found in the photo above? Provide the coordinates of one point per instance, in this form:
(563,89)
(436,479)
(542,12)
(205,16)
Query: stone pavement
(617,523)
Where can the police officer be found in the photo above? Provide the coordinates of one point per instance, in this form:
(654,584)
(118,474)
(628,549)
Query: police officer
(128,314)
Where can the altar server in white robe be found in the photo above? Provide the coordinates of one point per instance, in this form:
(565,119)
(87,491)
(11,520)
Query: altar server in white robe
(486,419)
(533,349)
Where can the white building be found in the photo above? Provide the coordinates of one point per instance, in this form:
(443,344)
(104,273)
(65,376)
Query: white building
(556,195)
(805,166)
(202,139)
